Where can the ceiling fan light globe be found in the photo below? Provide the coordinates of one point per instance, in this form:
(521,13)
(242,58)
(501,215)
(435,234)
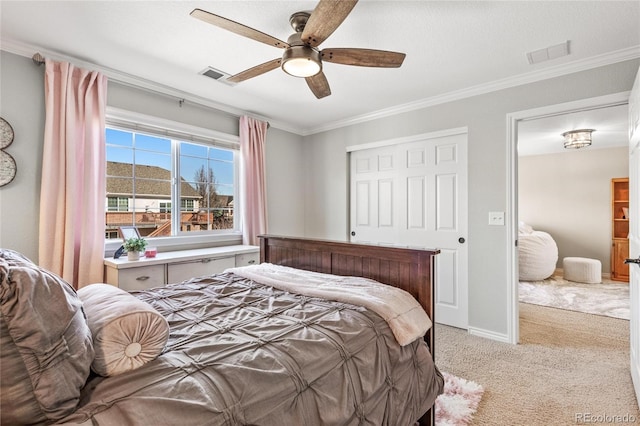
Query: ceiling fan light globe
(301,67)
(301,61)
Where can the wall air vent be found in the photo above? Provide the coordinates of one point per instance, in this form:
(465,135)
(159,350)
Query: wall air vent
(217,75)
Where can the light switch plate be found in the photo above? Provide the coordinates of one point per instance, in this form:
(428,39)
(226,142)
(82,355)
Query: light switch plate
(496,218)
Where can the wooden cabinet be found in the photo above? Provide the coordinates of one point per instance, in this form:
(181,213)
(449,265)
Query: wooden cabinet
(619,228)
(620,252)
(176,266)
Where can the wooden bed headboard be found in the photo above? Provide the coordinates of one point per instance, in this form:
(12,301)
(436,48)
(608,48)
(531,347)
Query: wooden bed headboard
(409,269)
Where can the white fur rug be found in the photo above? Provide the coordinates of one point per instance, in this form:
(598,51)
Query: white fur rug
(458,402)
(610,298)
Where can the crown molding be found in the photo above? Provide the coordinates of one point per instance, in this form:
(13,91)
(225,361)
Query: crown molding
(481,89)
(131,80)
(609,58)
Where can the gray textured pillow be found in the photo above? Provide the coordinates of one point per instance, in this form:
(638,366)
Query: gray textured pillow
(127,332)
(45,343)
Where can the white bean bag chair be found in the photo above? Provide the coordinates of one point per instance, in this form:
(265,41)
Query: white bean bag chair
(538,255)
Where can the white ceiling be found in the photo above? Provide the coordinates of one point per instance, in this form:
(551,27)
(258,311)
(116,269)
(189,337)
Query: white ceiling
(454,49)
(544,135)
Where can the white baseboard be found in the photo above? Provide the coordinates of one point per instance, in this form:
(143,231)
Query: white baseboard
(635,378)
(487,334)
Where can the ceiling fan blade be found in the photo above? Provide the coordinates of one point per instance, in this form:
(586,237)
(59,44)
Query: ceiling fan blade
(325,18)
(237,28)
(363,57)
(319,85)
(255,71)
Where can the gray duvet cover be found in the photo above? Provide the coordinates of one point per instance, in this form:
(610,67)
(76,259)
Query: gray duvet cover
(241,353)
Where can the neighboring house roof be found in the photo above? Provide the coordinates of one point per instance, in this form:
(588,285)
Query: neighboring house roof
(151,182)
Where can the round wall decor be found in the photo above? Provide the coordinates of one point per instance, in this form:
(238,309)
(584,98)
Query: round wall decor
(8,166)
(6,133)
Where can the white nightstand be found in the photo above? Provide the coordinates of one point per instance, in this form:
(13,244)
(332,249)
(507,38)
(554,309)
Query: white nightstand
(176,266)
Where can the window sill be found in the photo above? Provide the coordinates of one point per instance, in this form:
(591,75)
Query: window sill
(182,242)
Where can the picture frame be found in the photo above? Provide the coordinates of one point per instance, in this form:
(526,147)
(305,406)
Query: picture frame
(127,232)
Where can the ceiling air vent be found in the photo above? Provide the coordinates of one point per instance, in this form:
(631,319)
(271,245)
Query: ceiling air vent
(217,75)
(548,53)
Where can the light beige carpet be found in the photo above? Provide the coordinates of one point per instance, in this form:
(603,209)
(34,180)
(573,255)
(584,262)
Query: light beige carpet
(568,366)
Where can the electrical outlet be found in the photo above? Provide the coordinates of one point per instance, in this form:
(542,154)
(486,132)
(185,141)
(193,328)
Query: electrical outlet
(496,218)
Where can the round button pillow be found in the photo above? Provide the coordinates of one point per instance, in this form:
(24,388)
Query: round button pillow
(127,332)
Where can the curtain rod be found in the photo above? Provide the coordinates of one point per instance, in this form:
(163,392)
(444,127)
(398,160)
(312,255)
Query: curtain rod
(38,59)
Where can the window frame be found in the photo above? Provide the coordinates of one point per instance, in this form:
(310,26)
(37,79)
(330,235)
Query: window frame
(130,121)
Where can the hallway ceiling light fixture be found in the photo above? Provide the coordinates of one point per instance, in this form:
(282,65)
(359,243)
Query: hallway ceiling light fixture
(575,139)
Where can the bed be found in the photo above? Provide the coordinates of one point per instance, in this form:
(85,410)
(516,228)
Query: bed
(242,352)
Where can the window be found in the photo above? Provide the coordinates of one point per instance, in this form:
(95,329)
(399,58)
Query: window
(152,173)
(117,204)
(212,171)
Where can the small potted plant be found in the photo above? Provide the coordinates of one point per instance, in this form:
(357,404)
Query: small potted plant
(134,246)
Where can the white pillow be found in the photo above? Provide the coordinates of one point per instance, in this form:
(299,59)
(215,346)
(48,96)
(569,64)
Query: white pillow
(127,332)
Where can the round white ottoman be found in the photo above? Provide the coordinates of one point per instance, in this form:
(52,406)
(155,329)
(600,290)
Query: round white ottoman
(582,269)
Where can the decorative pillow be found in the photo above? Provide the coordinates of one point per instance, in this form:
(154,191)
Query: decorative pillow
(45,343)
(127,332)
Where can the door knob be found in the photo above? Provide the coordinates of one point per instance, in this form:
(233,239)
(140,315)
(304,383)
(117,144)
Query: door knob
(461,240)
(636,261)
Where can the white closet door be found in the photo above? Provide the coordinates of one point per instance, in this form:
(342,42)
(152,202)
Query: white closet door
(414,194)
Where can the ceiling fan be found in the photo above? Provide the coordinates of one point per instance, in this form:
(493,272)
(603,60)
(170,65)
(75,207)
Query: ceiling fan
(301,57)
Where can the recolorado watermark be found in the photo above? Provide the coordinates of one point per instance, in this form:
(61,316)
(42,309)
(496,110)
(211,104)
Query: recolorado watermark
(588,418)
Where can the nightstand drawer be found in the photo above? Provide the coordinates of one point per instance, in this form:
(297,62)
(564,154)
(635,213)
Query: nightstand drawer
(181,271)
(247,259)
(141,278)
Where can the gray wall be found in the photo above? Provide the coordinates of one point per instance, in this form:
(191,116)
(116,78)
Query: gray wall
(326,208)
(22,104)
(285,184)
(568,195)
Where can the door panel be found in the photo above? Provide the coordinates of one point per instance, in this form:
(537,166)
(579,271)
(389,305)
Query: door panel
(447,292)
(417,197)
(385,202)
(363,203)
(446,188)
(634,232)
(416,214)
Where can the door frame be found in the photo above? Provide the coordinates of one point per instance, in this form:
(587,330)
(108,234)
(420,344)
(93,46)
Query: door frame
(406,139)
(616,99)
